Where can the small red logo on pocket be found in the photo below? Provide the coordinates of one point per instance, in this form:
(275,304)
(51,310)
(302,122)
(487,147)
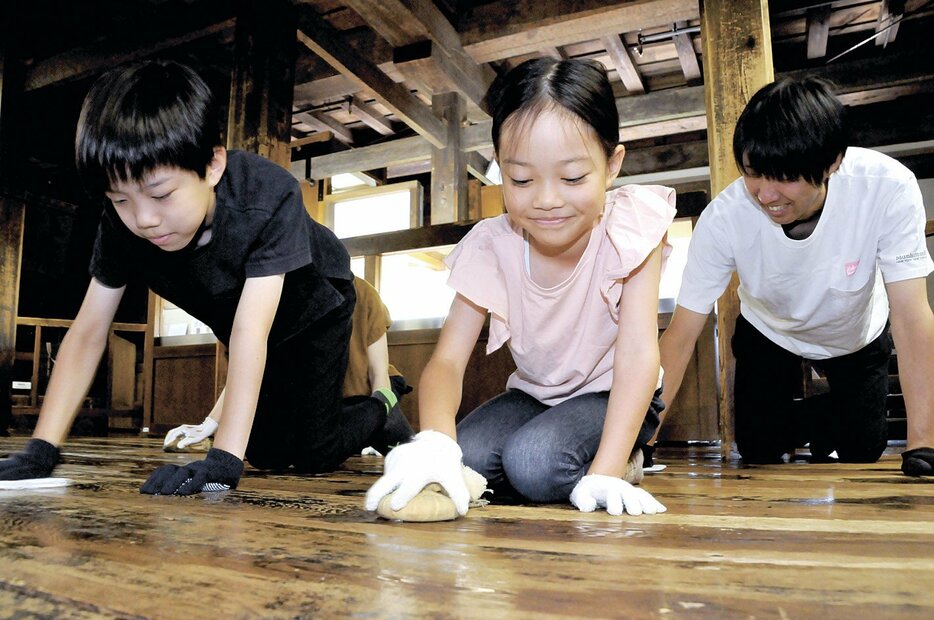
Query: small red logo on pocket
(850,268)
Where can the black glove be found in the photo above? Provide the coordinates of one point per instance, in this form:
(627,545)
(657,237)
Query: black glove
(918,462)
(219,471)
(37,460)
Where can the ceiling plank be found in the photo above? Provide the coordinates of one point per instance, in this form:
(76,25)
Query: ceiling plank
(404,150)
(622,61)
(501,30)
(322,39)
(82,62)
(321,136)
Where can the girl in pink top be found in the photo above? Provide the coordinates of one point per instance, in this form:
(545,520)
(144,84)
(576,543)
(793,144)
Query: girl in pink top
(569,277)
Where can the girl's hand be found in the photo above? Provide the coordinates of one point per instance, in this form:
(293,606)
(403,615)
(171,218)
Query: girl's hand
(430,457)
(613,493)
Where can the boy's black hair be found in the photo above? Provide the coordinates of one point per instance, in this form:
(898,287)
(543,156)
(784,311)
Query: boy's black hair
(578,86)
(142,116)
(791,129)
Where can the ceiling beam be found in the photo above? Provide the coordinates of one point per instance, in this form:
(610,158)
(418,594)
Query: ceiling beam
(818,31)
(621,59)
(85,61)
(321,38)
(505,29)
(890,15)
(687,56)
(325,123)
(370,116)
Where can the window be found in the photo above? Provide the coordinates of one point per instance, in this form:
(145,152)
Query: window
(679,236)
(374,210)
(413,286)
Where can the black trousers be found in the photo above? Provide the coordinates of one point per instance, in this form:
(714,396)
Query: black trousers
(301,419)
(769,422)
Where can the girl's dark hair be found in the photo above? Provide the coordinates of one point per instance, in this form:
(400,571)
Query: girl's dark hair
(579,86)
(143,116)
(791,129)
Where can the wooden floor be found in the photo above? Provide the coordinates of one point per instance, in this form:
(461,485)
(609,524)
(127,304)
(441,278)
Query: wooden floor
(789,541)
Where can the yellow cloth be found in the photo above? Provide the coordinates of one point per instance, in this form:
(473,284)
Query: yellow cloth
(370,321)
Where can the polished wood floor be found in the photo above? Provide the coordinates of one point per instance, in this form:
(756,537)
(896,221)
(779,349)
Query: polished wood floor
(789,541)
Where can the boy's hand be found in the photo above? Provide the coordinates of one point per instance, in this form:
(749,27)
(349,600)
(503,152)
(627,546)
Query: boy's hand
(188,434)
(219,471)
(430,457)
(37,460)
(615,494)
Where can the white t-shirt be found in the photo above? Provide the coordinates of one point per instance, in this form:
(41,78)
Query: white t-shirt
(822,296)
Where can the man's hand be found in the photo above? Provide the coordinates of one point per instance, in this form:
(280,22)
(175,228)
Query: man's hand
(37,460)
(430,457)
(614,494)
(219,471)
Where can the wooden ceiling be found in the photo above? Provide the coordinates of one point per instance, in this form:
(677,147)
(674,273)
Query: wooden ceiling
(366,70)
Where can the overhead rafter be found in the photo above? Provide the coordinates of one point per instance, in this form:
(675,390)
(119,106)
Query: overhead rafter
(687,56)
(321,38)
(370,116)
(437,67)
(890,16)
(324,123)
(495,32)
(818,30)
(622,61)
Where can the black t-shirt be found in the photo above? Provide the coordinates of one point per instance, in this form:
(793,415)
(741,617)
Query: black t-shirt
(260,228)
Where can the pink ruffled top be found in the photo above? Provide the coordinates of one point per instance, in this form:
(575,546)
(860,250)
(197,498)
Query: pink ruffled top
(562,338)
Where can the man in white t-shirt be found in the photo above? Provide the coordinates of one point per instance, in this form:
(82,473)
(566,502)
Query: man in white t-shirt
(829,246)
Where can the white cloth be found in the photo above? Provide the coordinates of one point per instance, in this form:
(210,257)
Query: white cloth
(822,296)
(562,338)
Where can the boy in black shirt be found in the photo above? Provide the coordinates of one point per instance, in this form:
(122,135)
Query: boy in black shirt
(225,236)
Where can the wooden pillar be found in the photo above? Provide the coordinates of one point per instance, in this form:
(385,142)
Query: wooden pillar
(449,164)
(261,84)
(262,80)
(12,215)
(737,62)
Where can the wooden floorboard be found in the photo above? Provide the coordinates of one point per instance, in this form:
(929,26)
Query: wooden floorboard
(787,541)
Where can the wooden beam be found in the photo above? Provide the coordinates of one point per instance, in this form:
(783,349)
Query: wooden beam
(321,38)
(370,116)
(321,136)
(502,30)
(684,45)
(399,151)
(260,113)
(818,30)
(324,122)
(390,19)
(427,66)
(622,61)
(83,62)
(449,165)
(408,239)
(737,62)
(890,15)
(477,166)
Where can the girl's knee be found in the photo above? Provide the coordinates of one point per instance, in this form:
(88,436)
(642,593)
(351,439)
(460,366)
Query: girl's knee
(540,472)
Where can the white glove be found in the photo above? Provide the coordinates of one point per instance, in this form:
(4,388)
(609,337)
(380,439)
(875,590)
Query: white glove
(190,433)
(430,457)
(613,493)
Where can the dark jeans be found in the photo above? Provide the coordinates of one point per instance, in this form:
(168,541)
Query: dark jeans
(851,419)
(300,418)
(523,446)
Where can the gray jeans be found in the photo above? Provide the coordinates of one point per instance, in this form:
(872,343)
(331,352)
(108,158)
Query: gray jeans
(539,452)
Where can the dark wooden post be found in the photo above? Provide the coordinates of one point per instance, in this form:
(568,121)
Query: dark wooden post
(262,80)
(737,62)
(12,214)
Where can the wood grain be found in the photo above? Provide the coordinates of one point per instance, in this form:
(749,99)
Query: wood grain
(786,541)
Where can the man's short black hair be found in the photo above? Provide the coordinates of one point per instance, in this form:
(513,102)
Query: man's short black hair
(142,116)
(791,129)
